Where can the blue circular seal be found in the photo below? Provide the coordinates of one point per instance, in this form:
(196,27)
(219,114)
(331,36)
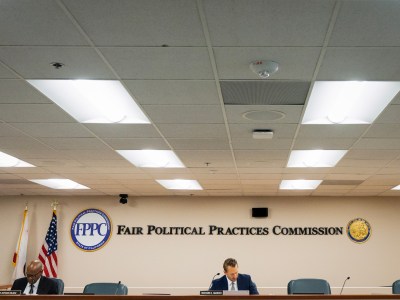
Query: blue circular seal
(91,229)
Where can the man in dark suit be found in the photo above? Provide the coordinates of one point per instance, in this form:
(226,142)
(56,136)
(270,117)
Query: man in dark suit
(34,283)
(232,280)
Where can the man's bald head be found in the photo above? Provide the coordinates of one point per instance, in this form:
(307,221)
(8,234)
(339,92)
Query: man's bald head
(34,271)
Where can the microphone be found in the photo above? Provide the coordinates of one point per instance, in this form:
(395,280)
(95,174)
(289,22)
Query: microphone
(213,280)
(344,284)
(116,289)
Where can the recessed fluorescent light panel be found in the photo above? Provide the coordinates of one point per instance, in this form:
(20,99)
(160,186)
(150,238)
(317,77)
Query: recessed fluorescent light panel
(93,101)
(152,158)
(396,188)
(60,184)
(299,184)
(180,184)
(348,102)
(315,158)
(8,161)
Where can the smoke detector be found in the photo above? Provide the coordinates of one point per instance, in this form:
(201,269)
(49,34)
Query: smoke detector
(264,68)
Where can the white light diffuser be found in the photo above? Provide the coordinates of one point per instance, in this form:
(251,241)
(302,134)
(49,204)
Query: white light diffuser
(396,188)
(8,161)
(180,184)
(93,101)
(299,184)
(152,158)
(348,102)
(60,184)
(315,158)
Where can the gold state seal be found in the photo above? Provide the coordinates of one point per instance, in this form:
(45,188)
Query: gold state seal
(358,230)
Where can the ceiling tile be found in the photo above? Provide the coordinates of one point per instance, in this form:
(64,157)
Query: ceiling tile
(256,155)
(354,170)
(212,176)
(167,22)
(9,131)
(199,144)
(193,130)
(233,63)
(261,164)
(383,131)
(360,63)
(31,20)
(389,170)
(378,143)
(259,171)
(325,144)
(74,143)
(53,130)
(33,113)
(372,154)
(294,23)
(6,73)
(260,176)
(363,163)
(123,130)
(82,155)
(354,27)
(206,158)
(169,92)
(137,143)
(251,144)
(35,62)
(390,115)
(331,131)
(159,62)
(174,114)
(19,91)
(21,143)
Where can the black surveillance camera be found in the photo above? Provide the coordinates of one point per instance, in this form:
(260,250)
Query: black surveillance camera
(124,198)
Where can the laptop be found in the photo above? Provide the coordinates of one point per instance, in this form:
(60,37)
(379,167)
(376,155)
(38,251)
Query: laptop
(238,293)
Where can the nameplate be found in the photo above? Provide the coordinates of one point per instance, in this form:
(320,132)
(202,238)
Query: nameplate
(10,292)
(210,293)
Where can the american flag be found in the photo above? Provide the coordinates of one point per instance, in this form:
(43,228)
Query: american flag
(48,252)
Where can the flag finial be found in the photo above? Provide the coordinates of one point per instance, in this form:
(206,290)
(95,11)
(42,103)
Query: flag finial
(54,204)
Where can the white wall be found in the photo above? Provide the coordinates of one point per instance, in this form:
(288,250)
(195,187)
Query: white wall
(186,264)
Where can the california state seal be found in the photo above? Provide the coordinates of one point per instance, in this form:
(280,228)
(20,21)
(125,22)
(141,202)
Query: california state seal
(358,230)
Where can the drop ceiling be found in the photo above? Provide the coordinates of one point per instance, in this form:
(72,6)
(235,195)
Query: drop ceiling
(186,63)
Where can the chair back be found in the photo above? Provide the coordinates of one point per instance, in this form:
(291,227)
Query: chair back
(309,286)
(396,287)
(60,285)
(106,288)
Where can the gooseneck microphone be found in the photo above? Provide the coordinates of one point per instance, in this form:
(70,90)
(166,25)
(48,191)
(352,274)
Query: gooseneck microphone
(116,289)
(344,284)
(213,280)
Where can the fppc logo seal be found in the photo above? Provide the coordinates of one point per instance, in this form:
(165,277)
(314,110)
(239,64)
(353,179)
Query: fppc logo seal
(91,229)
(358,230)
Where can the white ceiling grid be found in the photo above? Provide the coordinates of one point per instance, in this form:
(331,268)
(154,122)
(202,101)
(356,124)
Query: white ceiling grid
(176,57)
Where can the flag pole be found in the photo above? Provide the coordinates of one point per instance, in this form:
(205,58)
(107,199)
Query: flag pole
(48,251)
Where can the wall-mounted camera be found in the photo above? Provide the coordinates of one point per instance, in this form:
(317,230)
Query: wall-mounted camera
(124,198)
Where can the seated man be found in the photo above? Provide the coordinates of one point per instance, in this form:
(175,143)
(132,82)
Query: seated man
(34,283)
(232,280)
